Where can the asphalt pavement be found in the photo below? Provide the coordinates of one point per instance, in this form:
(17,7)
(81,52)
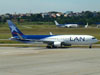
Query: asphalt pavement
(42,61)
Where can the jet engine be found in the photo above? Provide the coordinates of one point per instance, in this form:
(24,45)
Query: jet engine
(57,44)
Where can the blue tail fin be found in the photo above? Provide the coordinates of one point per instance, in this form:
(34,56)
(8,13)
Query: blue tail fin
(14,30)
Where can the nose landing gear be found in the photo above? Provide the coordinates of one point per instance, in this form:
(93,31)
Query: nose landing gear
(90,46)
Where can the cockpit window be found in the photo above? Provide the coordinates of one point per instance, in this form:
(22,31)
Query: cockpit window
(93,38)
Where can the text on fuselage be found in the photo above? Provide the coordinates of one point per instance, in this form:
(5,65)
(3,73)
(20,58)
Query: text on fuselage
(77,39)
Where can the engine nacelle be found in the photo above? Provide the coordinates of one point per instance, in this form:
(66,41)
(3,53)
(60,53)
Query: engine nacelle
(57,44)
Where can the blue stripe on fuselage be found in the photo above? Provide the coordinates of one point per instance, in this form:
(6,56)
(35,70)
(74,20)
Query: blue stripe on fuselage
(36,36)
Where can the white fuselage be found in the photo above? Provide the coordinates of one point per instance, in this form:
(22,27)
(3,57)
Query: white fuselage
(71,25)
(73,39)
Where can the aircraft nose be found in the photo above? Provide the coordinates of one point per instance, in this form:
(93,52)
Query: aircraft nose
(96,40)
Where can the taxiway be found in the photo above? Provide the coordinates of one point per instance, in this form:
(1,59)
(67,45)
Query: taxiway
(42,61)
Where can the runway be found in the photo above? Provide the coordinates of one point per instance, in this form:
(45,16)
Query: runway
(42,61)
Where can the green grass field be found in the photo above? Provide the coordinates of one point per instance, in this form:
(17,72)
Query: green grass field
(45,29)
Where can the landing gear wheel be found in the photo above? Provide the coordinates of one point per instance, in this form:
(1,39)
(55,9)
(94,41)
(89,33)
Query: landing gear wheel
(90,46)
(48,47)
(54,46)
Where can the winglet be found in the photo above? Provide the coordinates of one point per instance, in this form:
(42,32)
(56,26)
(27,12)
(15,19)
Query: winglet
(51,33)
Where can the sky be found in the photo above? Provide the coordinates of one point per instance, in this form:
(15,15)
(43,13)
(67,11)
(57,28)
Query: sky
(38,6)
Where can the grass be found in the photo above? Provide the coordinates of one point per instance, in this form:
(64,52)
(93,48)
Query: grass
(9,42)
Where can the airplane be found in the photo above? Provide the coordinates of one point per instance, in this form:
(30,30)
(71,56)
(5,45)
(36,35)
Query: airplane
(52,41)
(66,25)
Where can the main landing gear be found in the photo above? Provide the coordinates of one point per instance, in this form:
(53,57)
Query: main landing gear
(51,46)
(90,46)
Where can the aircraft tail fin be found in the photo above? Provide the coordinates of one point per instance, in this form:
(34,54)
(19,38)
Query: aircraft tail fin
(86,26)
(56,23)
(14,30)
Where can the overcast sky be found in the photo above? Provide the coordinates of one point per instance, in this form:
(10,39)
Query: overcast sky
(37,6)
